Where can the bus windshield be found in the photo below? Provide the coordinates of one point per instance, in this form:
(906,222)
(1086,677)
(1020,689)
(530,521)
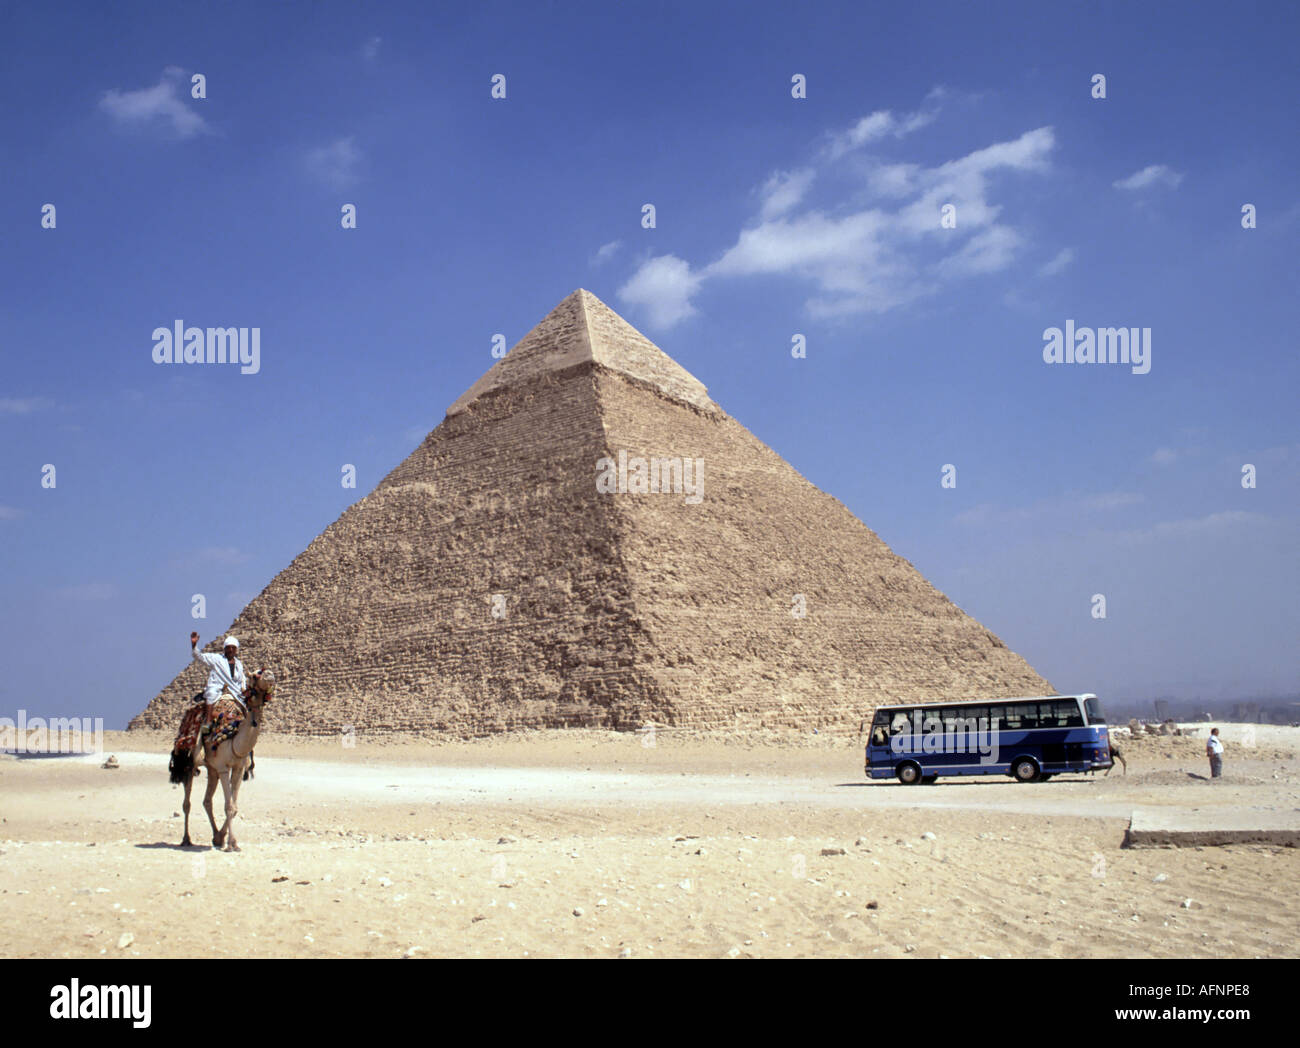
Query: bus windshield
(1094,711)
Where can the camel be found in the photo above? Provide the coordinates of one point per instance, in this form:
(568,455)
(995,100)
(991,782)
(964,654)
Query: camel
(227,763)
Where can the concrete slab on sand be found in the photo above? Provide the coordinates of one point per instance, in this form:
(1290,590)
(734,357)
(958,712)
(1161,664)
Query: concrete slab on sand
(1188,827)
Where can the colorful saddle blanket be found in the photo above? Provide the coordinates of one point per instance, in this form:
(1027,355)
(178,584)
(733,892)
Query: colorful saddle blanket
(227,716)
(190,725)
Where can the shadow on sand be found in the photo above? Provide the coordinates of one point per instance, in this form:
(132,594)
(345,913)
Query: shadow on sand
(971,780)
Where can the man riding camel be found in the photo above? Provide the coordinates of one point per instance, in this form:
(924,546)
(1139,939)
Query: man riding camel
(226,676)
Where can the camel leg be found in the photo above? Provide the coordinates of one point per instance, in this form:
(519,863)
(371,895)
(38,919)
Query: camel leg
(232,807)
(207,805)
(227,773)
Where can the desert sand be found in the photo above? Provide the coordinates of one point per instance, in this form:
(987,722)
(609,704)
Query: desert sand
(594,844)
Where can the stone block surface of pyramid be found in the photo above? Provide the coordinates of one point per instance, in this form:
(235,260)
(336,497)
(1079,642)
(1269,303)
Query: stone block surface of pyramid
(486,584)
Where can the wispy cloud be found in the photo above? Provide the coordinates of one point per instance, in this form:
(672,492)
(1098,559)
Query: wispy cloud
(1058,264)
(1213,525)
(986,252)
(10,513)
(337,165)
(165,103)
(784,190)
(1163,456)
(23,405)
(370,49)
(881,124)
(1154,175)
(868,259)
(605,252)
(1068,506)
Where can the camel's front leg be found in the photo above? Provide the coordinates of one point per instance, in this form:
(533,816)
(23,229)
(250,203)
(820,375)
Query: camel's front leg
(207,805)
(232,806)
(227,774)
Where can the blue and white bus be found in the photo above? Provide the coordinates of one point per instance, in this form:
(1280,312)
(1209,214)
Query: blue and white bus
(1030,739)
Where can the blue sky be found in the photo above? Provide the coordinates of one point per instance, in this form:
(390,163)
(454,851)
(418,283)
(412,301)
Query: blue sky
(774,216)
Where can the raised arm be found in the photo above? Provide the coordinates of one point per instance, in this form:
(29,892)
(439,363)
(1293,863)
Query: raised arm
(197,655)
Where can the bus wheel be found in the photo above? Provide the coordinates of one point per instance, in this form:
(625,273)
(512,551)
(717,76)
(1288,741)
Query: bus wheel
(909,773)
(1025,769)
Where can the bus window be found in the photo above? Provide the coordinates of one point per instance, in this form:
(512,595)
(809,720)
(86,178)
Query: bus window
(1067,713)
(965,718)
(1022,715)
(901,724)
(879,737)
(1093,708)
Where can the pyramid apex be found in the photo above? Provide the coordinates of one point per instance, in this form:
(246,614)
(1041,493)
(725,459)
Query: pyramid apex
(583,328)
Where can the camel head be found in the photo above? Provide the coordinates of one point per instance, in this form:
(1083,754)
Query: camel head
(262,690)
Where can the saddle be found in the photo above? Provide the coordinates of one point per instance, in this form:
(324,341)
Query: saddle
(191,724)
(226,718)
(181,766)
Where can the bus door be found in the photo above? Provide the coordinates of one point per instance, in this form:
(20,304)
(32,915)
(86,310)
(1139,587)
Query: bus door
(878,743)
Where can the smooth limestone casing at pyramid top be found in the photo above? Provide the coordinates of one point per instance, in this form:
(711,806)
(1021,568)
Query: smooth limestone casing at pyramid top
(618,608)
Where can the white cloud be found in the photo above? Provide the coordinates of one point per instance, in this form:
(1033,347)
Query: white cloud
(370,49)
(868,129)
(162,102)
(23,405)
(871,259)
(1058,264)
(605,252)
(878,125)
(663,286)
(1163,456)
(337,164)
(784,190)
(10,513)
(812,240)
(892,180)
(1155,174)
(986,252)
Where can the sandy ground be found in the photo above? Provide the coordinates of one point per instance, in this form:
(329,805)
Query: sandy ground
(586,844)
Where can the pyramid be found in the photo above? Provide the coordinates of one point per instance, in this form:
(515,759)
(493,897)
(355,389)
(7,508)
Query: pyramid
(488,583)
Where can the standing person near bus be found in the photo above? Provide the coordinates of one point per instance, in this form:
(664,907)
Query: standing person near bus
(1214,750)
